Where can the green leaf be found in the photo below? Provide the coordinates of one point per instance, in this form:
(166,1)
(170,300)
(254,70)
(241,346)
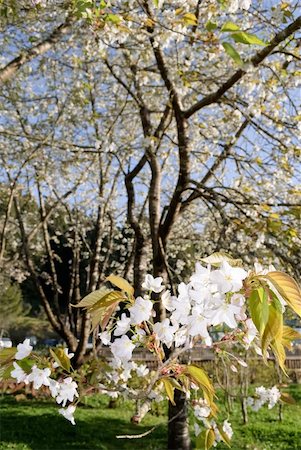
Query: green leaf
(230,27)
(176,384)
(201,379)
(232,53)
(61,358)
(205,439)
(92,298)
(5,371)
(259,308)
(287,288)
(279,352)
(83,6)
(200,441)
(224,436)
(170,390)
(107,300)
(121,283)
(288,336)
(217,258)
(190,19)
(7,354)
(247,38)
(26,364)
(274,327)
(114,18)
(210,438)
(210,26)
(200,376)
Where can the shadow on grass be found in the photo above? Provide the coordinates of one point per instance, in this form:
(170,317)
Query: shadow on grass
(21,427)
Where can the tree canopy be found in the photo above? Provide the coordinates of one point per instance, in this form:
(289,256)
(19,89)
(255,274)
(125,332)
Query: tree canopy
(176,121)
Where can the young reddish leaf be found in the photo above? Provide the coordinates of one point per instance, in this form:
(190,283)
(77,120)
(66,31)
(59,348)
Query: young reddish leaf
(107,315)
(287,398)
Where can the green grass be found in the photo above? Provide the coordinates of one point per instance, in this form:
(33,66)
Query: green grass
(264,431)
(36,425)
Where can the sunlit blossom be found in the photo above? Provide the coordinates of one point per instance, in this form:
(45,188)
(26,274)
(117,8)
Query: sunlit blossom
(68,413)
(23,350)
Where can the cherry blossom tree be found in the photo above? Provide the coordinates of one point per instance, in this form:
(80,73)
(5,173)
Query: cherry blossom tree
(250,306)
(167,116)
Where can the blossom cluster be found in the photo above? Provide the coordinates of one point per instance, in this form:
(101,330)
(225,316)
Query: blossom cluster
(262,396)
(213,297)
(202,413)
(63,391)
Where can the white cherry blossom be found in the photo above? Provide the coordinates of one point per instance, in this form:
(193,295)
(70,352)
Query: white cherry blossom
(251,332)
(197,325)
(54,387)
(142,370)
(228,278)
(122,348)
(181,337)
(227,428)
(23,349)
(105,337)
(141,310)
(225,313)
(202,410)
(153,284)
(39,377)
(165,331)
(67,391)
(168,301)
(68,413)
(19,374)
(123,325)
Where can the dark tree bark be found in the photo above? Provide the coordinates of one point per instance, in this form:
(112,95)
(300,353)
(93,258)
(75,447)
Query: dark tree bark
(178,427)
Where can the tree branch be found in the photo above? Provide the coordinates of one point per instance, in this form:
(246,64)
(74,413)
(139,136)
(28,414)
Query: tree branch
(8,71)
(238,75)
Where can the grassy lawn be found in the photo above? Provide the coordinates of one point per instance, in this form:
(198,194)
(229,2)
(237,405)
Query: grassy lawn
(36,425)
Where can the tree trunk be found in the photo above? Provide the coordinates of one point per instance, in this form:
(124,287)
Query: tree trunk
(178,423)
(244,410)
(178,429)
